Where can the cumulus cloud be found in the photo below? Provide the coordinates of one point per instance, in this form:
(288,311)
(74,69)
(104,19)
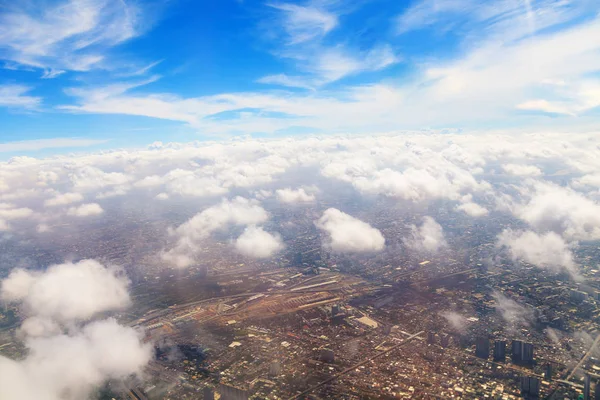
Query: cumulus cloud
(299,195)
(91,178)
(189,235)
(257,243)
(547,250)
(562,210)
(472,209)
(65,292)
(457,321)
(522,170)
(429,237)
(15,213)
(349,234)
(70,366)
(63,199)
(85,210)
(69,363)
(514,314)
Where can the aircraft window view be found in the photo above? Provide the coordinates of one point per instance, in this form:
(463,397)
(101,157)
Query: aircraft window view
(299,200)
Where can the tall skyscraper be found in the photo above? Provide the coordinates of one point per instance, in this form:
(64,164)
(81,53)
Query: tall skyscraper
(482,347)
(431,337)
(586,387)
(530,387)
(527,355)
(445,340)
(500,350)
(517,350)
(548,372)
(208,393)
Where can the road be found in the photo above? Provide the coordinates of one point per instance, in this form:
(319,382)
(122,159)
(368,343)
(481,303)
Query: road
(584,358)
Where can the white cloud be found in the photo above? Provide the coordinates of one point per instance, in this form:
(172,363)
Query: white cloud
(39,144)
(522,170)
(302,24)
(15,96)
(70,366)
(457,321)
(70,35)
(92,178)
(189,235)
(428,237)
(562,210)
(85,210)
(63,199)
(288,195)
(257,243)
(15,213)
(67,292)
(485,83)
(349,234)
(514,314)
(472,209)
(547,250)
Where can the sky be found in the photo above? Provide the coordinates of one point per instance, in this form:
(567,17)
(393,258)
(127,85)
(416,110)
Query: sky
(97,74)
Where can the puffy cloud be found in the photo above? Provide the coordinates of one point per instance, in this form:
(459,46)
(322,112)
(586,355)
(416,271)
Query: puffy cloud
(92,178)
(149,181)
(239,211)
(289,195)
(472,209)
(70,366)
(85,210)
(515,314)
(65,292)
(15,213)
(63,199)
(522,170)
(547,250)
(562,210)
(457,321)
(429,237)
(349,234)
(256,242)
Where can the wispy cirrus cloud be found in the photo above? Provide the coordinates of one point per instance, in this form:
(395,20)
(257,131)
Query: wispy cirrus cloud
(304,30)
(15,96)
(54,143)
(69,35)
(493,78)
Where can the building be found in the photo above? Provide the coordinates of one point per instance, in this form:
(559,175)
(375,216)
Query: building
(430,337)
(327,355)
(208,393)
(527,354)
(445,340)
(577,296)
(275,369)
(530,387)
(500,350)
(229,392)
(548,372)
(586,387)
(517,350)
(482,347)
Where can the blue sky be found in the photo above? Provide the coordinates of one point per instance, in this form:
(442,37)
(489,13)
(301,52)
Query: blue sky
(102,73)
